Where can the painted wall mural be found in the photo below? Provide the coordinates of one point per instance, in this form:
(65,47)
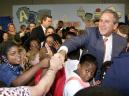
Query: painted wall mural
(71,14)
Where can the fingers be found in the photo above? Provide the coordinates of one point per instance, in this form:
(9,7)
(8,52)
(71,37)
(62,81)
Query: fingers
(56,62)
(48,50)
(56,44)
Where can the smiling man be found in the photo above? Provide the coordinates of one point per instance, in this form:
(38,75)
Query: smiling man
(92,40)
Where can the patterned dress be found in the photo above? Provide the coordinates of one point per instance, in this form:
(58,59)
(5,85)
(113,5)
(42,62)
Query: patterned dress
(15,91)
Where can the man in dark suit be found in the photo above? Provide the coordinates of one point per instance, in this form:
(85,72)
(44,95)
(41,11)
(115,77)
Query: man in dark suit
(117,75)
(93,40)
(39,32)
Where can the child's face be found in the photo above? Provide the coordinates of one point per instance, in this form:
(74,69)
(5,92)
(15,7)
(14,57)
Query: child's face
(13,55)
(86,72)
(49,41)
(49,31)
(11,28)
(34,45)
(60,33)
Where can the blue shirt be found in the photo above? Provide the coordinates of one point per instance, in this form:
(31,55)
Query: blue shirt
(9,72)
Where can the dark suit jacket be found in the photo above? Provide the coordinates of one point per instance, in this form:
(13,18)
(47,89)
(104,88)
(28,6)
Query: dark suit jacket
(117,75)
(38,33)
(92,42)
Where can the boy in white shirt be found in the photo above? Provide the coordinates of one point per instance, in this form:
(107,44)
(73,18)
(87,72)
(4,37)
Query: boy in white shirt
(80,77)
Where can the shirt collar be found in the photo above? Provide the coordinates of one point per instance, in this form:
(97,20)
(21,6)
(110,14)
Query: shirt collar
(109,37)
(44,29)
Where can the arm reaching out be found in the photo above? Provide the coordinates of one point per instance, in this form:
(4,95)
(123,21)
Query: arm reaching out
(45,83)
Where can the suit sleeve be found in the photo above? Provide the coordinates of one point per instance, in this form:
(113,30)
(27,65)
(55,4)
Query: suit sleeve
(76,42)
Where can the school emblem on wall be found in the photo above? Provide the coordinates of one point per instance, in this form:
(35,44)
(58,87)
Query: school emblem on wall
(25,15)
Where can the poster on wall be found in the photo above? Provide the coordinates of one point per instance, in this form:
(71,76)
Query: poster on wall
(72,14)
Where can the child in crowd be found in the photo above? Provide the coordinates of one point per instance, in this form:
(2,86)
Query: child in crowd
(72,57)
(53,40)
(33,52)
(44,53)
(24,59)
(11,71)
(80,77)
(49,30)
(42,87)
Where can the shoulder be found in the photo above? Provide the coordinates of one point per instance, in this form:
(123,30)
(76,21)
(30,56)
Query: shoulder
(118,71)
(71,87)
(119,38)
(92,31)
(37,28)
(4,67)
(72,81)
(115,35)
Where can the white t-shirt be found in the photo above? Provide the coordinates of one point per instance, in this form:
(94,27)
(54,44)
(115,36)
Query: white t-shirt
(72,86)
(70,66)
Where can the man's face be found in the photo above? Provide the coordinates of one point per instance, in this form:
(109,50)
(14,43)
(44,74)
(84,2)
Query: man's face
(47,22)
(106,24)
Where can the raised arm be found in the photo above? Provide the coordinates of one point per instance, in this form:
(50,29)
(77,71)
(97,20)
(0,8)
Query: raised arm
(45,83)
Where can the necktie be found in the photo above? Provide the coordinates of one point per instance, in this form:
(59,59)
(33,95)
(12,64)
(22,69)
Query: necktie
(105,40)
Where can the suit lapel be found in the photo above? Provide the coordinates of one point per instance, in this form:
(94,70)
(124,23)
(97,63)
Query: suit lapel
(115,46)
(100,45)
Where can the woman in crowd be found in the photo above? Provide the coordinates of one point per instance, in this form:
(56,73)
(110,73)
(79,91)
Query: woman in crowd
(42,87)
(11,71)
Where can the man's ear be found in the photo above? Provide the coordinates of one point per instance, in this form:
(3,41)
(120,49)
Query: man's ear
(115,26)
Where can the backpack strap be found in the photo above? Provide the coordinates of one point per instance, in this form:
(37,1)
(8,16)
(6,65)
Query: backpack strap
(84,84)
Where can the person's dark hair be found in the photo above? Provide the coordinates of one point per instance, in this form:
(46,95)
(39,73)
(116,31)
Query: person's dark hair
(45,17)
(116,16)
(96,20)
(87,59)
(34,39)
(74,55)
(17,39)
(121,23)
(71,33)
(98,91)
(72,27)
(22,26)
(60,22)
(27,28)
(55,37)
(1,36)
(6,46)
(32,23)
(50,27)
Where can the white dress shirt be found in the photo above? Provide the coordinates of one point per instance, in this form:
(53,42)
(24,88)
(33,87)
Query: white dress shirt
(108,51)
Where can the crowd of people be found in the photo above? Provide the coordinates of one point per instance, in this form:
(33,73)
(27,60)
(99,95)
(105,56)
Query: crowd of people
(41,60)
